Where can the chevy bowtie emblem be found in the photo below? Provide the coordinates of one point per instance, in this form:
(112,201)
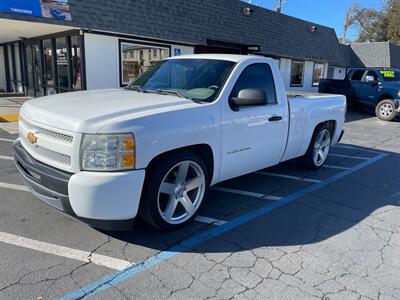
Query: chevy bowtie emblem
(32,138)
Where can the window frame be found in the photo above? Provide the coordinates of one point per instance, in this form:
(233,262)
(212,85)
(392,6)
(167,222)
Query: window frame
(313,84)
(273,84)
(302,76)
(366,74)
(362,77)
(137,43)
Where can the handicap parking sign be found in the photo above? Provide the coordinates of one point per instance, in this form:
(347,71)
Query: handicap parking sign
(177,51)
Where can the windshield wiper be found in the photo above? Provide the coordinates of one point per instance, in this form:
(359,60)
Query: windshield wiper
(170,92)
(136,88)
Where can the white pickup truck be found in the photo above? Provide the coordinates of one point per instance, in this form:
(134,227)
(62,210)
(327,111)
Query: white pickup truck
(154,148)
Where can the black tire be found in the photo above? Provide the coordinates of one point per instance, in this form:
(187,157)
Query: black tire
(385,110)
(307,159)
(149,209)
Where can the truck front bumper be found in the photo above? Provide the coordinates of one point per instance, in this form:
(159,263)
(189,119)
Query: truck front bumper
(104,200)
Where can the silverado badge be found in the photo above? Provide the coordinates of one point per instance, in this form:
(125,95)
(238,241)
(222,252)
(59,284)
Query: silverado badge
(32,138)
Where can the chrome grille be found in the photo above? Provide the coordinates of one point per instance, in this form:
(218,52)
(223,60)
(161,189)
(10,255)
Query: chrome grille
(52,134)
(50,154)
(53,147)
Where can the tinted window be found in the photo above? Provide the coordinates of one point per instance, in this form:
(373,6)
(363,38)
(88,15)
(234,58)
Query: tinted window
(257,76)
(358,75)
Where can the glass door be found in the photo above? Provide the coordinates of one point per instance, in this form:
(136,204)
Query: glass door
(34,81)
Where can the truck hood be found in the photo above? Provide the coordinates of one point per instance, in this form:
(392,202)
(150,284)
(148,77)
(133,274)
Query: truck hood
(89,111)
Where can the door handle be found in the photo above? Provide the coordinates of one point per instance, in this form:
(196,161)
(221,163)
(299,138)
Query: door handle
(275,118)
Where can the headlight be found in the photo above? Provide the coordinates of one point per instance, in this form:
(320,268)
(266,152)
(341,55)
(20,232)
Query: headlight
(108,152)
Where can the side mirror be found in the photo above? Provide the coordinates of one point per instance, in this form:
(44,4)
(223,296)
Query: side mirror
(370,79)
(249,97)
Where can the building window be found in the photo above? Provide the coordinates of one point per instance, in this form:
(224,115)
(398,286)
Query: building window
(297,75)
(318,73)
(136,59)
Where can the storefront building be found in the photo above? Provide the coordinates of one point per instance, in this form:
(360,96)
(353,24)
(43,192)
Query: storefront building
(56,46)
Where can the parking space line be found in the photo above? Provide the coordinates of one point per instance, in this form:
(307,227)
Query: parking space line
(208,220)
(6,157)
(114,279)
(335,167)
(349,156)
(289,177)
(6,140)
(85,256)
(355,148)
(245,193)
(11,186)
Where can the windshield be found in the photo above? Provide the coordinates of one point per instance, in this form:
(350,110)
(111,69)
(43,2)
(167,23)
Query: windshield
(196,79)
(390,75)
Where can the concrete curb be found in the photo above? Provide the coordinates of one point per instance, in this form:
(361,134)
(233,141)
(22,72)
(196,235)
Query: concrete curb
(9,118)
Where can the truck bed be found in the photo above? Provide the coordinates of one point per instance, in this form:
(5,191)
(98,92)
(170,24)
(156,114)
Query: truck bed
(294,95)
(307,109)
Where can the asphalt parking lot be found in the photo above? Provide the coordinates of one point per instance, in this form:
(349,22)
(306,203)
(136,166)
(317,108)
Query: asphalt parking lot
(281,233)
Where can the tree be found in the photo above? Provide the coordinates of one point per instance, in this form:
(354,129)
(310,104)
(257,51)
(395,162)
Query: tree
(375,25)
(392,13)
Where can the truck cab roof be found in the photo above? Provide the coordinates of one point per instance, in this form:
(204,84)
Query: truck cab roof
(229,57)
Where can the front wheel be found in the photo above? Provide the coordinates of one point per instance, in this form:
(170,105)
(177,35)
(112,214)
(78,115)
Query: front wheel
(318,150)
(385,110)
(174,191)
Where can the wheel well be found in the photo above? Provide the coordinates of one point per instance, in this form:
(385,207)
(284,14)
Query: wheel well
(331,124)
(202,150)
(384,97)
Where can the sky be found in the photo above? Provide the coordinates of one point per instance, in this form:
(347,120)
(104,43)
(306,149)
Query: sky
(325,12)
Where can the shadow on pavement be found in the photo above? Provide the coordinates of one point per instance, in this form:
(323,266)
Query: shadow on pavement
(315,217)
(361,113)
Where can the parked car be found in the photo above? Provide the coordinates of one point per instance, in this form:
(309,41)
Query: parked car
(376,88)
(155,147)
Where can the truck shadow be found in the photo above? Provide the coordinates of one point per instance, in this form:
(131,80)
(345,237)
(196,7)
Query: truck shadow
(369,196)
(359,113)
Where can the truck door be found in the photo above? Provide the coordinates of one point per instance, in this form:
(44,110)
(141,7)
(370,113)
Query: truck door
(356,82)
(253,137)
(369,88)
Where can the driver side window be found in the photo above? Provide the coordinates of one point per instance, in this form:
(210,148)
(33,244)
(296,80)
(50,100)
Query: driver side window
(257,76)
(372,74)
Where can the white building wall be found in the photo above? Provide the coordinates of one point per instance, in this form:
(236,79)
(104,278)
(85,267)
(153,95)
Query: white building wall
(340,73)
(308,77)
(103,61)
(286,69)
(102,65)
(3,84)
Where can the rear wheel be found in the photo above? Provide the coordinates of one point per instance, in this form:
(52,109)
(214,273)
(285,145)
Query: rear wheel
(318,150)
(385,110)
(174,191)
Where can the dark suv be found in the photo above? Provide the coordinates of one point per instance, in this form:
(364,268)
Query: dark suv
(378,88)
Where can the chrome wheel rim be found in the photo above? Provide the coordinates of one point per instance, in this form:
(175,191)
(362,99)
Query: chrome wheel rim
(181,192)
(386,110)
(321,147)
